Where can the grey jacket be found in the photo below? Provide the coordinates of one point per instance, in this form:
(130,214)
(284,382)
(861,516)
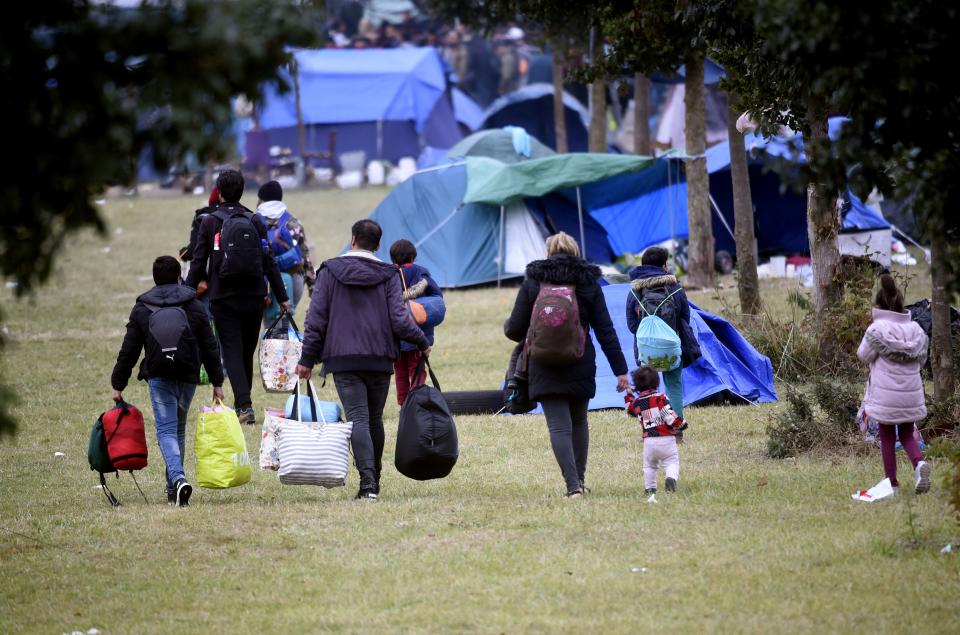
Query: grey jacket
(357,316)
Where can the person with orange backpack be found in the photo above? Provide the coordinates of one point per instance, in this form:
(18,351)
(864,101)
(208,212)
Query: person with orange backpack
(171,327)
(558,302)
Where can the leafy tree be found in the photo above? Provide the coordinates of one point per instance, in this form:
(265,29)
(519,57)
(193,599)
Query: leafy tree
(650,35)
(90,86)
(882,67)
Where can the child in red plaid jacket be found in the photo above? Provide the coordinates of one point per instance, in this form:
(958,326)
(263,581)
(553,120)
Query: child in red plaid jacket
(661,428)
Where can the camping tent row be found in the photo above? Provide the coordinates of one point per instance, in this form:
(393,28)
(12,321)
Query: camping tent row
(478,219)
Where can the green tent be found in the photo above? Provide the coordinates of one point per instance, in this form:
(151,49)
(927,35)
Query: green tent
(499,144)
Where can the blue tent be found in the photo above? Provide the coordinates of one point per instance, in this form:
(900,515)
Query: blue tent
(730,367)
(389,103)
(780,215)
(531,108)
(466,111)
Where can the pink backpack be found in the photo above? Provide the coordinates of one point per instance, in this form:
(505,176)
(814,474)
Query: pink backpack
(556,337)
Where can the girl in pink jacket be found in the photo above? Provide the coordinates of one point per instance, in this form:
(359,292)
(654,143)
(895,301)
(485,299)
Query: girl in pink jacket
(896,349)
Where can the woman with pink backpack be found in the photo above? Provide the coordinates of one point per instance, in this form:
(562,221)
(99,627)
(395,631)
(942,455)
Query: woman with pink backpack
(558,303)
(896,348)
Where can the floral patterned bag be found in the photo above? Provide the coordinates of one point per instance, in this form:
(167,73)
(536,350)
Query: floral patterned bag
(280,349)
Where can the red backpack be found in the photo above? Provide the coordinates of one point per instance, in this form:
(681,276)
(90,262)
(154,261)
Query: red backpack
(118,442)
(556,337)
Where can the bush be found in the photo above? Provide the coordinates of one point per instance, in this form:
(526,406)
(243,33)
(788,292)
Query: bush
(821,417)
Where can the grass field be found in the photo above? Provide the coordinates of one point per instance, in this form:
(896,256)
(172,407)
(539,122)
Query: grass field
(748,544)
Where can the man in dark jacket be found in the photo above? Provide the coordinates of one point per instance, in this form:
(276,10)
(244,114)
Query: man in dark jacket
(171,387)
(653,274)
(354,325)
(236,301)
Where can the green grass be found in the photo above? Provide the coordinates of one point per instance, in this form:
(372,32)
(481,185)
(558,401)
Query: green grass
(748,544)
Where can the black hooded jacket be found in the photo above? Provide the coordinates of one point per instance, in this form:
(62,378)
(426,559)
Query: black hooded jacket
(577,380)
(139,324)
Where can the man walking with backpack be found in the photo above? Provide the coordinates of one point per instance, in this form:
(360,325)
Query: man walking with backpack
(354,326)
(171,325)
(232,255)
(288,242)
(661,295)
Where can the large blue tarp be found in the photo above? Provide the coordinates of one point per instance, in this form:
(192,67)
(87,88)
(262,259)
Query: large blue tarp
(351,85)
(729,362)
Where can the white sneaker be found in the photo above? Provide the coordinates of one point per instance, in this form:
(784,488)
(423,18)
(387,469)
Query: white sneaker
(923,477)
(652,498)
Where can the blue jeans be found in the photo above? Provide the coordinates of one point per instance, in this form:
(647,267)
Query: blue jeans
(171,401)
(673,381)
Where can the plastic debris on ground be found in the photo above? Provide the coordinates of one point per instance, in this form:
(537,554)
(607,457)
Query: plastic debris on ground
(59,454)
(881,490)
(638,569)
(948,548)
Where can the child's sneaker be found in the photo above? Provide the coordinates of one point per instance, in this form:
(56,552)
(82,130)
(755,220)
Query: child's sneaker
(670,484)
(923,477)
(651,495)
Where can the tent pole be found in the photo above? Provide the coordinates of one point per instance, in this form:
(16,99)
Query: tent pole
(723,220)
(500,248)
(583,239)
(301,128)
(380,139)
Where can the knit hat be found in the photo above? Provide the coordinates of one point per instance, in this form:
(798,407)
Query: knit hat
(214,196)
(270,191)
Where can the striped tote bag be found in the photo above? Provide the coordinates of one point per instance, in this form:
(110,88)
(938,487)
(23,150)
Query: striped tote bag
(313,453)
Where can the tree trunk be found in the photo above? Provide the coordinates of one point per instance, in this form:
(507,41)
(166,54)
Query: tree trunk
(598,101)
(941,349)
(559,116)
(748,285)
(700,260)
(823,225)
(641,115)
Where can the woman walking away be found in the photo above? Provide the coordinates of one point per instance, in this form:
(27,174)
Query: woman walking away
(896,349)
(559,301)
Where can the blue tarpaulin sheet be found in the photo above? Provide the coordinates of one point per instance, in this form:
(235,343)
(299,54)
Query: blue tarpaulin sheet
(349,85)
(729,363)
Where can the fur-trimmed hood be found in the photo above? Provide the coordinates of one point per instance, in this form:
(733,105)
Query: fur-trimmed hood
(650,277)
(563,269)
(896,337)
(665,280)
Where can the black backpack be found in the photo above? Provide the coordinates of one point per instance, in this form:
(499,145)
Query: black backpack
(427,444)
(240,244)
(654,302)
(171,348)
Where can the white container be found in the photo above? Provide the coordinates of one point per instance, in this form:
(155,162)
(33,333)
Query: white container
(778,266)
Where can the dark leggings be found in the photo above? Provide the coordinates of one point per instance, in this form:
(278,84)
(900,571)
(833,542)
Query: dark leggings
(888,448)
(569,436)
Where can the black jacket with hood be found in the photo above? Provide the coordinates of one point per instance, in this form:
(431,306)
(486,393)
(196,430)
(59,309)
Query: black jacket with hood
(139,324)
(650,277)
(357,316)
(220,288)
(578,380)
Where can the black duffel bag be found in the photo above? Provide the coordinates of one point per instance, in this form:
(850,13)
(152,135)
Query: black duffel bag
(427,444)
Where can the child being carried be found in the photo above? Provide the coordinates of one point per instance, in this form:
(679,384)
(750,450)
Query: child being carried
(661,428)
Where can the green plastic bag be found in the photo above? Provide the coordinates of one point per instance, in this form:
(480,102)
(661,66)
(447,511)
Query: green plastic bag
(222,459)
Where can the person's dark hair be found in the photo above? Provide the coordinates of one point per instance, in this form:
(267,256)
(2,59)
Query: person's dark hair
(367,233)
(403,252)
(646,378)
(230,185)
(655,256)
(889,297)
(270,191)
(166,270)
